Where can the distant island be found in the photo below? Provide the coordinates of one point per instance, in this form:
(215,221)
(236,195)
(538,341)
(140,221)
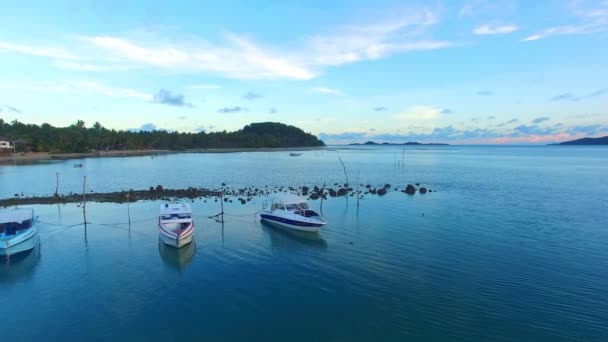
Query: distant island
(396,144)
(77,138)
(587,141)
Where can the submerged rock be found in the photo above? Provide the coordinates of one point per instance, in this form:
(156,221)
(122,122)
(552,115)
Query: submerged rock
(382,192)
(423,190)
(410,189)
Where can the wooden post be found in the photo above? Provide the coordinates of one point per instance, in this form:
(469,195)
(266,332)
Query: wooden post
(57,185)
(129,209)
(222,204)
(84,200)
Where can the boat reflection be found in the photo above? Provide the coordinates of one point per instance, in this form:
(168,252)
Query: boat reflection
(19,266)
(178,258)
(284,237)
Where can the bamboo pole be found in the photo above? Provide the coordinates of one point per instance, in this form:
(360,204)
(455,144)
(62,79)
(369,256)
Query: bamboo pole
(57,184)
(84,200)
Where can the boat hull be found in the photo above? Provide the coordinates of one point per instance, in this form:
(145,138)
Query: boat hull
(21,243)
(172,239)
(282,222)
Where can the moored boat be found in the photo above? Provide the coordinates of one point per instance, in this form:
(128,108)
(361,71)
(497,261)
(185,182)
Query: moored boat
(17,231)
(292,212)
(175,224)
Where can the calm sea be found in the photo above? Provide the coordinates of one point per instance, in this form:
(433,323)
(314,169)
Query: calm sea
(512,246)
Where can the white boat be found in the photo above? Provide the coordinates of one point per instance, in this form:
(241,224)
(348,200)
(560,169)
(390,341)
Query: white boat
(292,212)
(17,231)
(175,224)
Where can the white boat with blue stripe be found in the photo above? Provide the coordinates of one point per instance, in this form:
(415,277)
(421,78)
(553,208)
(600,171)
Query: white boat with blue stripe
(17,231)
(292,212)
(175,224)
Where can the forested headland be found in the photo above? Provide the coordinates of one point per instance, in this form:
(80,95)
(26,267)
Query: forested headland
(78,138)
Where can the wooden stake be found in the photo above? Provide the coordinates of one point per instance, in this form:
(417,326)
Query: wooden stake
(57,185)
(84,200)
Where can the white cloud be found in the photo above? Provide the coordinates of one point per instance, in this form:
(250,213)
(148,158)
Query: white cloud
(240,58)
(593,19)
(495,29)
(37,51)
(419,113)
(374,41)
(329,91)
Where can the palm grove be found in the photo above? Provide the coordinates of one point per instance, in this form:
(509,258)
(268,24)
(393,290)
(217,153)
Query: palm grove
(78,138)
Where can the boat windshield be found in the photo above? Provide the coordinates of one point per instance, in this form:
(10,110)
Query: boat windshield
(176,216)
(12,227)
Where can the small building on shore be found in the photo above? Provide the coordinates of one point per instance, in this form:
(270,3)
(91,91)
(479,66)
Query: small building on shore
(6,146)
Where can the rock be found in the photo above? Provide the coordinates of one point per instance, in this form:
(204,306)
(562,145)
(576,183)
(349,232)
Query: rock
(225,199)
(410,189)
(223,184)
(342,192)
(373,191)
(368,186)
(387,186)
(382,192)
(423,190)
(159,188)
(314,196)
(417,184)
(332,192)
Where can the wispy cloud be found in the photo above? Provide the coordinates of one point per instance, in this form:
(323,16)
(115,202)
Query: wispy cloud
(235,109)
(490,29)
(540,119)
(572,97)
(272,110)
(446,111)
(12,108)
(485,93)
(237,58)
(380,109)
(37,51)
(166,97)
(252,96)
(328,91)
(592,19)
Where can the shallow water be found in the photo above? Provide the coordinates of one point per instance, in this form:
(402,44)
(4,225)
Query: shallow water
(512,247)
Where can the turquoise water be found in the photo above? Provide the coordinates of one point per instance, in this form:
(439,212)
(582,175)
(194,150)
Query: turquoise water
(513,246)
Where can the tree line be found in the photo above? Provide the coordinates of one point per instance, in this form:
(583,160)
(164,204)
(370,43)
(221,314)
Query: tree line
(77,138)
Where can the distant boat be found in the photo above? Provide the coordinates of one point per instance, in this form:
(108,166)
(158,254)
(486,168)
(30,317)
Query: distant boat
(17,231)
(78,165)
(295,154)
(292,212)
(175,224)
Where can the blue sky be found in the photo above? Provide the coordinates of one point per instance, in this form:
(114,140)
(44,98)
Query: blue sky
(473,71)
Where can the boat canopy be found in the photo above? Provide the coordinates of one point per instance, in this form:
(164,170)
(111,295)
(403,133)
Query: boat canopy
(287,199)
(16,215)
(169,209)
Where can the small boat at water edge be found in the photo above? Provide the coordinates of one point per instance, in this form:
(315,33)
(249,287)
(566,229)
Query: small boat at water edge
(175,224)
(293,154)
(292,212)
(17,231)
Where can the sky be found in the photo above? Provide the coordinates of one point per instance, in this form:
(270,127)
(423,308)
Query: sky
(461,71)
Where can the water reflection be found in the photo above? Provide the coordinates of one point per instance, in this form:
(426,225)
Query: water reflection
(19,266)
(284,237)
(178,258)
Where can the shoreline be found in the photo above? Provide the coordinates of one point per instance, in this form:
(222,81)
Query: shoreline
(40,156)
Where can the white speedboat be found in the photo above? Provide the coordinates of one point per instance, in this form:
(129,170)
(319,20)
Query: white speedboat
(292,212)
(17,231)
(175,224)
